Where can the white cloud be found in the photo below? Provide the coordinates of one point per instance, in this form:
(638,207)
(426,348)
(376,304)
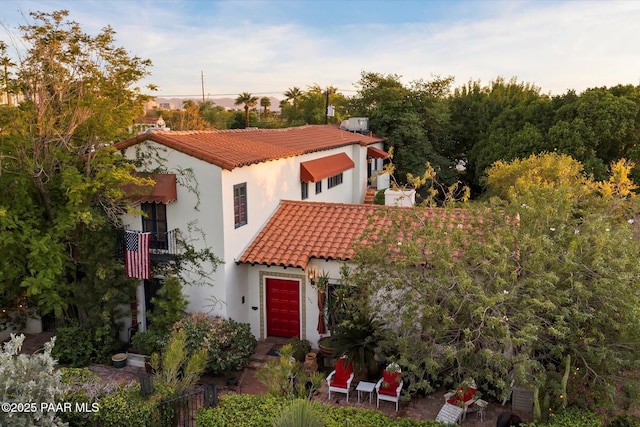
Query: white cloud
(258,47)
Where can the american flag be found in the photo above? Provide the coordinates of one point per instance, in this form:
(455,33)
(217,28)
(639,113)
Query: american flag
(137,254)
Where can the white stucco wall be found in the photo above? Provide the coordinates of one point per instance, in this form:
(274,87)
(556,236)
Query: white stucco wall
(198,208)
(267,184)
(211,211)
(257,276)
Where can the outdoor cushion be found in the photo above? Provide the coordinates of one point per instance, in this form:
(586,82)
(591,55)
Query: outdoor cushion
(390,381)
(463,394)
(343,372)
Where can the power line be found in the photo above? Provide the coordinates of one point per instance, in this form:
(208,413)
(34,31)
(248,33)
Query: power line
(209,95)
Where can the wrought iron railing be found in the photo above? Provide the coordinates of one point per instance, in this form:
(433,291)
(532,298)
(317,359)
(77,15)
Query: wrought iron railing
(160,243)
(180,411)
(166,242)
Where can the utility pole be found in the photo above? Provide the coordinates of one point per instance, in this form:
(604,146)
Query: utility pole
(202,80)
(328,108)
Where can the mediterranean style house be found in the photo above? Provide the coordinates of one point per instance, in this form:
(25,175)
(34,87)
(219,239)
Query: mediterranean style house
(273,204)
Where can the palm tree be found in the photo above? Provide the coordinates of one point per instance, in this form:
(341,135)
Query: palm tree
(265,102)
(6,62)
(294,95)
(249,101)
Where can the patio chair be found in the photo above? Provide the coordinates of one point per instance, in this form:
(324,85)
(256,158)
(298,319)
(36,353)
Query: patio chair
(339,380)
(390,385)
(463,397)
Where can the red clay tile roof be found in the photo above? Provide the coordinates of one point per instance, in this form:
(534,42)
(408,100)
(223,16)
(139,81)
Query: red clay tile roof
(230,149)
(299,231)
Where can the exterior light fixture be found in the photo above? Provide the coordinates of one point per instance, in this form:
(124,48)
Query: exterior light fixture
(311,274)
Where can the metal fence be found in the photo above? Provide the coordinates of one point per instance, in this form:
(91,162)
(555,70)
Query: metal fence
(180,411)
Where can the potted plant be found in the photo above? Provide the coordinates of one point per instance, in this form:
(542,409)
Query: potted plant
(144,345)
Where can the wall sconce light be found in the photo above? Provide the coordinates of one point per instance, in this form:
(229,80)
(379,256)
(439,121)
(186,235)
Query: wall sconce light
(311,274)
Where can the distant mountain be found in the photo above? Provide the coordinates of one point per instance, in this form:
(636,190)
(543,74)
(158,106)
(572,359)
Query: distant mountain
(227,103)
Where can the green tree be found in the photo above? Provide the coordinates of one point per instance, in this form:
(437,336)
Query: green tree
(249,101)
(599,127)
(509,288)
(508,120)
(59,183)
(169,305)
(504,120)
(191,116)
(412,118)
(215,115)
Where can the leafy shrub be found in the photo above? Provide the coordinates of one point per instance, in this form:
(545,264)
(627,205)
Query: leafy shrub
(624,420)
(77,375)
(169,306)
(300,413)
(148,342)
(229,344)
(379,198)
(282,376)
(572,417)
(126,407)
(75,346)
(85,388)
(243,410)
(264,410)
(300,348)
(176,369)
(78,346)
(29,379)
(109,404)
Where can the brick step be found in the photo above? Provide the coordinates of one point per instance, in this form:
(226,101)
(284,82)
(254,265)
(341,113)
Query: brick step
(369,197)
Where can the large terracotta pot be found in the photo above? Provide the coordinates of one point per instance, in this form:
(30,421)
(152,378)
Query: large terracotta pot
(325,347)
(310,363)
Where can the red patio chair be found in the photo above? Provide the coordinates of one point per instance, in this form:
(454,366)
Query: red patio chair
(464,396)
(390,385)
(339,380)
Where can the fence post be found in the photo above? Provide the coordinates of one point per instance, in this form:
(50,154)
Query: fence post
(210,396)
(146,385)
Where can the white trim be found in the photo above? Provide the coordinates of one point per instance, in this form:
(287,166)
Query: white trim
(301,301)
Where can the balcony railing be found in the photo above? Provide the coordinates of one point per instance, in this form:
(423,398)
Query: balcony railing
(163,246)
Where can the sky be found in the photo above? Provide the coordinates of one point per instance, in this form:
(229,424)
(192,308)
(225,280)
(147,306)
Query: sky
(267,47)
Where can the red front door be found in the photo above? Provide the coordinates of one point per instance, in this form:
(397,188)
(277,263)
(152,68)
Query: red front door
(283,308)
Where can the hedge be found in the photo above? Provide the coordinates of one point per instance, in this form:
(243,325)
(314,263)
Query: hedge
(243,410)
(580,417)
